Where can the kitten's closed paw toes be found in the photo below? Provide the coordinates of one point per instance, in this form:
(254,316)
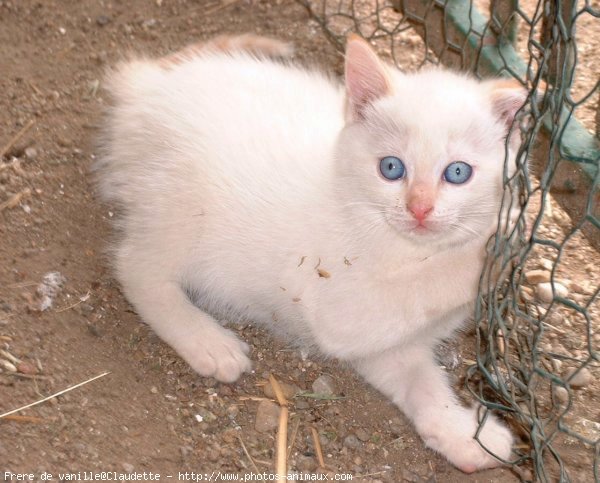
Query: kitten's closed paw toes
(469,456)
(222,356)
(455,440)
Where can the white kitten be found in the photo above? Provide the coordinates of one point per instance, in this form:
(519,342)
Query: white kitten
(370,206)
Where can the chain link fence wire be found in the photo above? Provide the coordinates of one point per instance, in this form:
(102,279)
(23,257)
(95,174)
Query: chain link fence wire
(537,339)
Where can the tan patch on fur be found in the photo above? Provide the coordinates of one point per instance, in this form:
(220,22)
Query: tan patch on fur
(249,43)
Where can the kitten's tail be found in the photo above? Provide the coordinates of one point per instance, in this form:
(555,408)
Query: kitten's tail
(249,43)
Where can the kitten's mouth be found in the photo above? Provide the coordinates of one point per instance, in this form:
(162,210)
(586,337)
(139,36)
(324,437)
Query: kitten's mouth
(415,229)
(422,229)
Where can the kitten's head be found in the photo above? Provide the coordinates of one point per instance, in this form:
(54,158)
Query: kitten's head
(423,153)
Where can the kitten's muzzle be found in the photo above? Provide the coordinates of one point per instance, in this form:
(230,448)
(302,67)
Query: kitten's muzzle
(420,210)
(420,202)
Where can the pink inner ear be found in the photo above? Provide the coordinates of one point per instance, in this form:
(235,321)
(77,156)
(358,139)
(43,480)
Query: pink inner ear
(366,77)
(508,96)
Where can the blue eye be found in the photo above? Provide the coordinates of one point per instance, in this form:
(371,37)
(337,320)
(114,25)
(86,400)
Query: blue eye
(392,168)
(458,172)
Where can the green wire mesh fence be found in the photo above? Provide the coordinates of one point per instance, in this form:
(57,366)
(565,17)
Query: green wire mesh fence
(537,350)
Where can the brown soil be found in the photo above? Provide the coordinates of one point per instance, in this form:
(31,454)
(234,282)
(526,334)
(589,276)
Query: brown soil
(151,413)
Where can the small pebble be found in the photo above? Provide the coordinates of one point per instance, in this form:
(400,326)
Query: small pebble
(324,385)
(301,404)
(555,318)
(128,467)
(225,390)
(352,442)
(362,435)
(233,410)
(581,379)
(306,463)
(534,277)
(409,476)
(26,368)
(544,291)
(526,474)
(9,366)
(64,141)
(588,429)
(324,440)
(561,394)
(102,20)
(526,293)
(267,416)
(148,24)
(185,451)
(546,264)
(214,453)
(397,427)
(31,152)
(575,287)
(556,364)
(203,414)
(17,150)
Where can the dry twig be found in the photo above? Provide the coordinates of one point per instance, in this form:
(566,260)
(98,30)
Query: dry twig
(317,445)
(15,138)
(224,5)
(15,199)
(22,284)
(9,357)
(248,454)
(281,462)
(293,438)
(281,467)
(80,301)
(254,398)
(53,395)
(278,391)
(35,88)
(24,419)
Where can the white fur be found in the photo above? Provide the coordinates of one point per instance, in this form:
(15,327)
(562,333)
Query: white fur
(243,187)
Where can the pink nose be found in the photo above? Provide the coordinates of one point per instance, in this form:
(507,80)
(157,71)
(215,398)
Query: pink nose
(420,210)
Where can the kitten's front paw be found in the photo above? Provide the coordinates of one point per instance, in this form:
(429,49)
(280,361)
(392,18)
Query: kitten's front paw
(220,355)
(465,452)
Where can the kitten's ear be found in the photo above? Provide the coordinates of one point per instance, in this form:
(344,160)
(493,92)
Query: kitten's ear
(366,77)
(507,96)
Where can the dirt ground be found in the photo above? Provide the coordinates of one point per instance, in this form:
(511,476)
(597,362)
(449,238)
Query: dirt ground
(151,412)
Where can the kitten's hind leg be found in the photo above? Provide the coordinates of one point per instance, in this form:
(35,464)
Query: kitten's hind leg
(211,350)
(418,386)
